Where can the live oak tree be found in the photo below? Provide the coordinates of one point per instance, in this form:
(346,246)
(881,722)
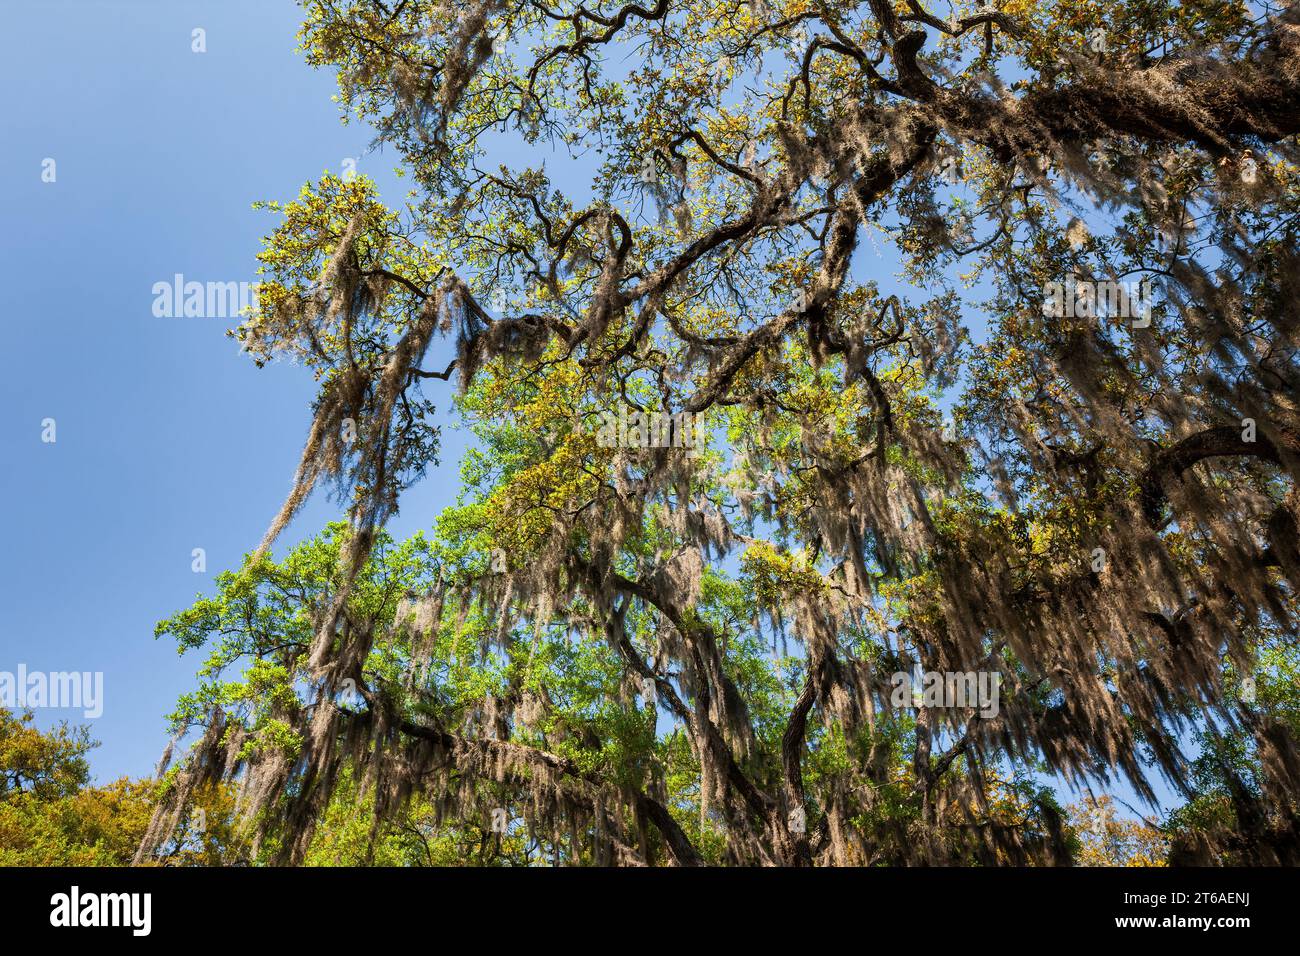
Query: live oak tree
(1060,445)
(1232,818)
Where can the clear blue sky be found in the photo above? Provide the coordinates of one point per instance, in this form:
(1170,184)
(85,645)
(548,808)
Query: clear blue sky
(168,439)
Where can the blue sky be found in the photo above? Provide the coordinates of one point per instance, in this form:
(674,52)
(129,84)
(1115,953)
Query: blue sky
(167,438)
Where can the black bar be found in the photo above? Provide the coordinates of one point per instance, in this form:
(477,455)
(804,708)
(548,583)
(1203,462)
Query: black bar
(377,906)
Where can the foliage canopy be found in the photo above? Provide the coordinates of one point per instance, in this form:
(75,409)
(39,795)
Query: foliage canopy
(644,652)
